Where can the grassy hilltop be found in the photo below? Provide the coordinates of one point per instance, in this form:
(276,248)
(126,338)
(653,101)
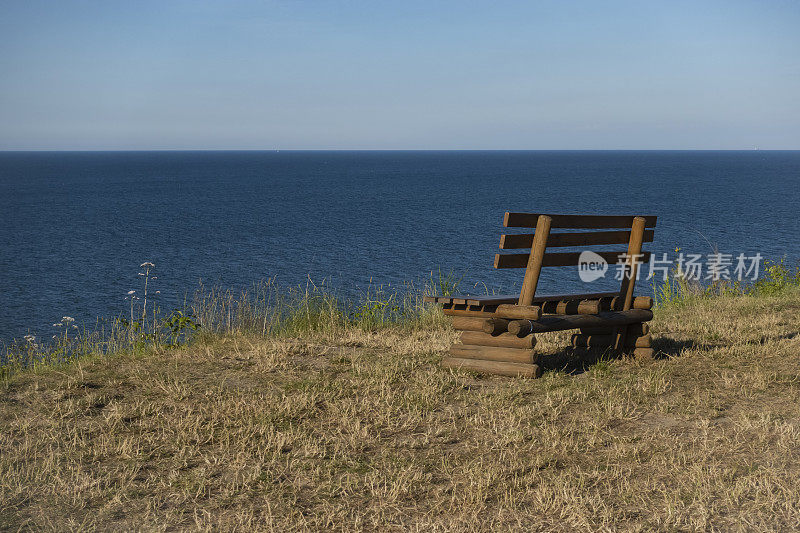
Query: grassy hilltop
(357,427)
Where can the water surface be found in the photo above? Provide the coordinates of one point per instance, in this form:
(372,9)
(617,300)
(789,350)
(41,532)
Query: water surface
(76,225)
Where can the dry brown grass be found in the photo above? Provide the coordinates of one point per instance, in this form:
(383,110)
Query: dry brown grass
(365,431)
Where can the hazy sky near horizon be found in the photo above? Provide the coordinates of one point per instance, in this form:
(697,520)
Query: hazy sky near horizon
(196,74)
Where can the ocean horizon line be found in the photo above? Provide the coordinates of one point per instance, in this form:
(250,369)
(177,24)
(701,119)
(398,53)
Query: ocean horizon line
(390,150)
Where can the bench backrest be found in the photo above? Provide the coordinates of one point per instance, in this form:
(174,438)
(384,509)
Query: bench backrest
(635,232)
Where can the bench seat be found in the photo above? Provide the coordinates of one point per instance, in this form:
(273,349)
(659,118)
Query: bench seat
(486,300)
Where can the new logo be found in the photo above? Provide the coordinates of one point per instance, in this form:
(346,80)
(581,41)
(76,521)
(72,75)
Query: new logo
(591,266)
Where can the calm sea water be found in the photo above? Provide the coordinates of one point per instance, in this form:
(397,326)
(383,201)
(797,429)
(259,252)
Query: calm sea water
(76,225)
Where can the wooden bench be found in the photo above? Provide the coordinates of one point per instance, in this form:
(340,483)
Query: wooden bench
(498,332)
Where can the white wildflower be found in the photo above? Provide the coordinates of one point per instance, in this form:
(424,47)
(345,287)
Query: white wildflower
(67,319)
(57,325)
(131,292)
(147,264)
(29,338)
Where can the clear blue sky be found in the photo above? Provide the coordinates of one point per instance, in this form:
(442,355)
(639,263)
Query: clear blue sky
(399,75)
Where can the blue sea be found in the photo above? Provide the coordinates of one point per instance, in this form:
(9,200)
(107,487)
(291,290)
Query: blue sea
(77,225)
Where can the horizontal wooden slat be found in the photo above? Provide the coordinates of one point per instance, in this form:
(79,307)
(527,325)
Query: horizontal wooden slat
(528,220)
(564,322)
(505,340)
(512,311)
(508,298)
(450,311)
(492,300)
(572,307)
(494,353)
(466,323)
(521,312)
(466,299)
(525,240)
(603,341)
(557,259)
(616,303)
(584,296)
(436,299)
(550,304)
(581,305)
(493,367)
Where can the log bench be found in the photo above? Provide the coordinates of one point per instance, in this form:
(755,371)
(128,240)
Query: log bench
(498,331)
